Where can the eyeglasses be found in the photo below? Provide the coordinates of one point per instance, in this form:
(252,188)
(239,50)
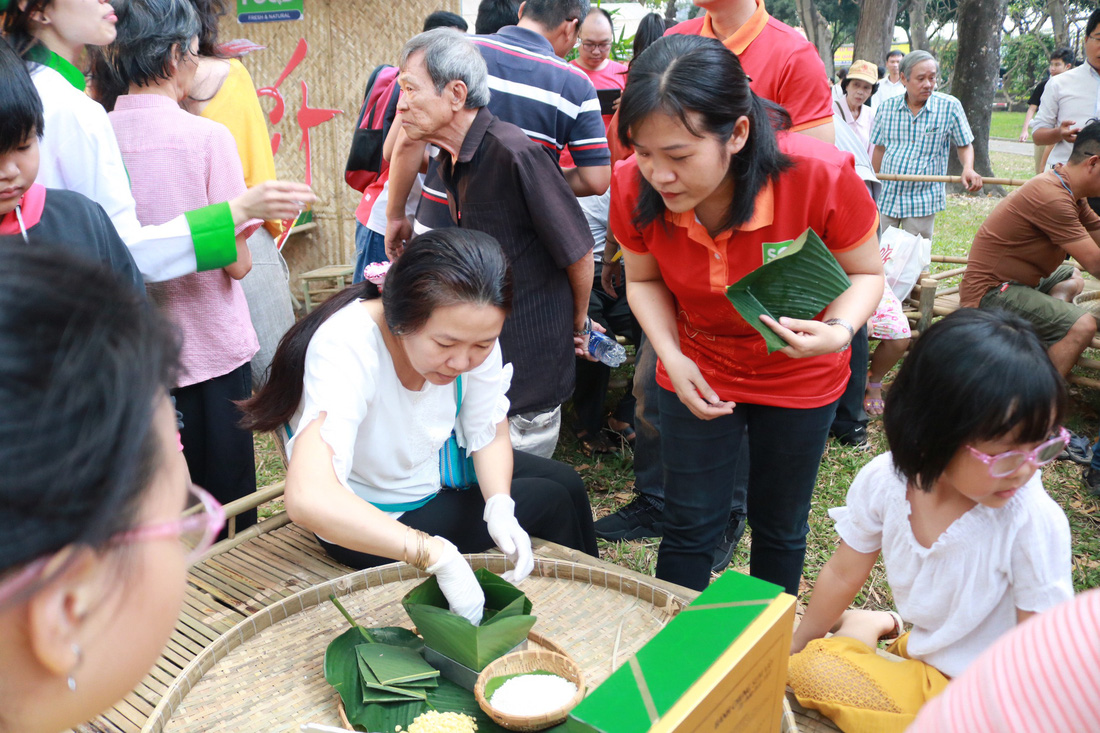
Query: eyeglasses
(196,530)
(1006,464)
(593,46)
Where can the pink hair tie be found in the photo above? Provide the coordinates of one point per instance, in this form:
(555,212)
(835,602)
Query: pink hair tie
(375,272)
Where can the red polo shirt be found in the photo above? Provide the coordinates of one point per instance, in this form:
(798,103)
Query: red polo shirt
(822,191)
(783,66)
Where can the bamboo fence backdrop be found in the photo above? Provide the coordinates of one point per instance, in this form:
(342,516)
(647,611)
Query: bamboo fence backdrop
(346,40)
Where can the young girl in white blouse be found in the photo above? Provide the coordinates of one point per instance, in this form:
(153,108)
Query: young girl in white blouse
(971,541)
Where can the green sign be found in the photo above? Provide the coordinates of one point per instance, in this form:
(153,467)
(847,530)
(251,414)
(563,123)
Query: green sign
(269,11)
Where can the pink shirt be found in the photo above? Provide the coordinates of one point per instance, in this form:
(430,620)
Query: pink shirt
(179,162)
(1043,676)
(612,76)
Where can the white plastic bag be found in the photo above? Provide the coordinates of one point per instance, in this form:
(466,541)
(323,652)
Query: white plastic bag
(904,257)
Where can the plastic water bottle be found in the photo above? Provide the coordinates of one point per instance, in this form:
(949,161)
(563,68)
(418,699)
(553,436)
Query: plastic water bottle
(606,349)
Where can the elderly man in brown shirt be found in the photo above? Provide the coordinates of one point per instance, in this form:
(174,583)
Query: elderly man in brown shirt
(500,182)
(1018,259)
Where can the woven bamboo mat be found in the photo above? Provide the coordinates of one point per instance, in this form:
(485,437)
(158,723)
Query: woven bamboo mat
(266,673)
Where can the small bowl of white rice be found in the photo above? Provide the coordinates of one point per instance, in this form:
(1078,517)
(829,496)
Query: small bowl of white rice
(539,689)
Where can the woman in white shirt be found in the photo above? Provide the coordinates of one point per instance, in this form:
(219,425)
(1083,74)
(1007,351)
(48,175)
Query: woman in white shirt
(370,387)
(858,87)
(79,152)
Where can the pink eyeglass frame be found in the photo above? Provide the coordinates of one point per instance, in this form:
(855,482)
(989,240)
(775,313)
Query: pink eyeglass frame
(1029,456)
(210,521)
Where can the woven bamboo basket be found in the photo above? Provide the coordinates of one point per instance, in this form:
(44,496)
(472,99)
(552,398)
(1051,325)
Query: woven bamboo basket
(266,673)
(530,661)
(1090,301)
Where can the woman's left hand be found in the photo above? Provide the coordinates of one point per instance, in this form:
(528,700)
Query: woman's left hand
(500,517)
(807,338)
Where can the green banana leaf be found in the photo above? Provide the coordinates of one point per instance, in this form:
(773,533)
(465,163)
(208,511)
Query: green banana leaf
(797,283)
(373,689)
(342,672)
(395,636)
(506,623)
(494,683)
(394,665)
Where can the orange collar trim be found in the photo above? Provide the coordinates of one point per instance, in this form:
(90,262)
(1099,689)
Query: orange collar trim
(744,35)
(763,215)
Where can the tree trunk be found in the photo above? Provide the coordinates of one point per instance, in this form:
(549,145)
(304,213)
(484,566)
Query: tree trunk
(976,74)
(1057,9)
(670,10)
(875,31)
(817,31)
(918,25)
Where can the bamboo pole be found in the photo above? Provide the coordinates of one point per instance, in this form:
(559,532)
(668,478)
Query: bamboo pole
(948,179)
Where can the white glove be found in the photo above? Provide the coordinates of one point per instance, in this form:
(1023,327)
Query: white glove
(456,580)
(500,516)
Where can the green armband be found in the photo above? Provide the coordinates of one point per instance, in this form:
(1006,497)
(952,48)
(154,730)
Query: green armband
(214,235)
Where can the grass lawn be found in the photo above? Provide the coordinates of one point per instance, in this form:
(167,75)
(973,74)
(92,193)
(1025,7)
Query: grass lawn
(1006,125)
(610,478)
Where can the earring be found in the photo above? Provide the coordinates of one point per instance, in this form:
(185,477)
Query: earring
(79,658)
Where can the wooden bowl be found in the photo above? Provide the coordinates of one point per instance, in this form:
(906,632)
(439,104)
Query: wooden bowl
(530,661)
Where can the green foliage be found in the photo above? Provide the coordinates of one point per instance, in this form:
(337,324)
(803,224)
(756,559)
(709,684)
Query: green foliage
(946,53)
(1025,57)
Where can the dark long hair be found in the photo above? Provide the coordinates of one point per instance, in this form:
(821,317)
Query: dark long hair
(439,268)
(17,24)
(83,361)
(20,107)
(975,375)
(698,81)
(650,29)
(209,13)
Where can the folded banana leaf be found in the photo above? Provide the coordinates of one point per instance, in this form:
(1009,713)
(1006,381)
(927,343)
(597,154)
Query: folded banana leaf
(394,665)
(797,283)
(506,622)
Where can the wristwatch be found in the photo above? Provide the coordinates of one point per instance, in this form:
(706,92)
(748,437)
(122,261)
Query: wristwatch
(587,328)
(847,326)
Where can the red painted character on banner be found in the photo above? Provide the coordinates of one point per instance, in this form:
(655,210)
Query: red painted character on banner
(307,118)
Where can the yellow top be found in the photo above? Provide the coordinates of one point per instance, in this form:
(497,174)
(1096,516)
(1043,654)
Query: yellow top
(237,107)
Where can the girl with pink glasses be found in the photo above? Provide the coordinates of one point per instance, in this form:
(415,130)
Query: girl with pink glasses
(971,542)
(93,549)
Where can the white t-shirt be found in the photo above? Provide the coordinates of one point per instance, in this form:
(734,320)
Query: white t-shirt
(887,89)
(79,152)
(385,438)
(962,593)
(1072,95)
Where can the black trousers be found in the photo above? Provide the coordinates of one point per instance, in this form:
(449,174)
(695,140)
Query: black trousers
(218,451)
(593,377)
(551,504)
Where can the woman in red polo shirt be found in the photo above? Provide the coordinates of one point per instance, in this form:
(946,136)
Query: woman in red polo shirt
(713,192)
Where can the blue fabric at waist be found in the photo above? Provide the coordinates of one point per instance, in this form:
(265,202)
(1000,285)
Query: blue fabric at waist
(406,506)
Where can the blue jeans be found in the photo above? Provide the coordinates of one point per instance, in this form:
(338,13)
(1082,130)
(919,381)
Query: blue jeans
(370,246)
(1095,465)
(700,457)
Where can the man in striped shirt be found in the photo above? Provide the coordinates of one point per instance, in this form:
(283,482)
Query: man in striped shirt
(912,135)
(553,102)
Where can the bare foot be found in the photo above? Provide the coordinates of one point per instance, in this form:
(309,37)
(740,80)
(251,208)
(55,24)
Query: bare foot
(866,626)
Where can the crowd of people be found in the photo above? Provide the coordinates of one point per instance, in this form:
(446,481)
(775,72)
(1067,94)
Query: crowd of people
(526,203)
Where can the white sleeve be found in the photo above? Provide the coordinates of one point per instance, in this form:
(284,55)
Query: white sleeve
(340,380)
(1047,116)
(859,523)
(1041,570)
(80,153)
(484,403)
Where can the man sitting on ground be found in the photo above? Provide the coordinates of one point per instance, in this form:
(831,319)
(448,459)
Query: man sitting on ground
(1018,259)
